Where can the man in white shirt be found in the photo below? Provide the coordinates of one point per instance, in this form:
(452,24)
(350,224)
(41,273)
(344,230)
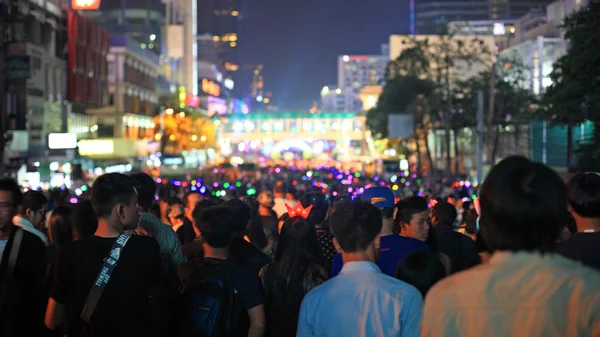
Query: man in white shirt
(525,289)
(361,300)
(280,200)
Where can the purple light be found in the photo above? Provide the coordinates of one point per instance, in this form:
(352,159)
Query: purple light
(407,183)
(73,200)
(216,184)
(414,175)
(334,193)
(277,170)
(349,189)
(158,180)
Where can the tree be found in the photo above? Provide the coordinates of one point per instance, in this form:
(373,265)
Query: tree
(441,60)
(574,95)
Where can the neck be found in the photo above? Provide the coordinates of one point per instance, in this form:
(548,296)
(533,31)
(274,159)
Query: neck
(357,257)
(264,211)
(387,227)
(278,195)
(215,253)
(105,230)
(588,224)
(5,232)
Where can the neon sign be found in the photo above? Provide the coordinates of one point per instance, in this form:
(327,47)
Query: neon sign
(85,5)
(211,87)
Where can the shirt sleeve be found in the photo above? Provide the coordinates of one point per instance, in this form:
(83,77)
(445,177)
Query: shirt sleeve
(250,288)
(412,315)
(304,327)
(336,265)
(176,252)
(60,290)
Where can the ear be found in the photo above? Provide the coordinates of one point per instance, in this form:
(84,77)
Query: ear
(29,213)
(336,244)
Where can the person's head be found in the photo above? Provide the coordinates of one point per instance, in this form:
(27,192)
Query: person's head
(422,270)
(471,223)
(59,196)
(290,194)
(214,226)
(146,190)
(84,219)
(584,196)
(241,214)
(175,212)
(320,206)
(189,200)
(33,208)
(197,212)
(10,200)
(60,226)
(443,213)
(279,190)
(265,199)
(382,198)
(523,206)
(297,241)
(114,199)
(411,215)
(356,227)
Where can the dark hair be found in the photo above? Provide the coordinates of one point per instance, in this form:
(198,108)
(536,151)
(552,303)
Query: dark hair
(523,206)
(9,185)
(320,204)
(445,213)
(186,198)
(84,219)
(213,224)
(422,270)
(59,196)
(584,194)
(284,217)
(241,212)
(471,222)
(298,265)
(355,224)
(387,213)
(406,208)
(60,226)
(255,230)
(200,208)
(33,200)
(146,189)
(109,190)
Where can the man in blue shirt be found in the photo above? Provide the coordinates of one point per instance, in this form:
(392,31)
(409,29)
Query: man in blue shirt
(393,246)
(361,300)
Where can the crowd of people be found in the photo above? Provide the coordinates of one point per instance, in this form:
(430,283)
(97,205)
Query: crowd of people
(522,260)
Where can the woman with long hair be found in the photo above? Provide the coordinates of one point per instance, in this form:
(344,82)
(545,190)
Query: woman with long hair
(298,267)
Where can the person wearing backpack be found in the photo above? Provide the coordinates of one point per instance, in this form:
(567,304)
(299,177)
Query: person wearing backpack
(219,297)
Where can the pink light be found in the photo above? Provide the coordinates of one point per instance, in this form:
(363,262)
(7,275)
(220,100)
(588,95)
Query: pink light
(73,200)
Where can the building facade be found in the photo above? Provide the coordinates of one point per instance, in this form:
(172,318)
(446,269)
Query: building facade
(35,80)
(432,16)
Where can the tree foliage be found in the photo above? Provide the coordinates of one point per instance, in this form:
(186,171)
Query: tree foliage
(574,95)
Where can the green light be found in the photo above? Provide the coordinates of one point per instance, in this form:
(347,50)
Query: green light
(226,185)
(418,181)
(474,196)
(251,191)
(238,184)
(357,174)
(182,105)
(84,188)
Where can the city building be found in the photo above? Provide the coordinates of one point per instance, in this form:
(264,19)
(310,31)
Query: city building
(220,20)
(333,99)
(124,129)
(35,85)
(141,20)
(432,16)
(356,72)
(482,27)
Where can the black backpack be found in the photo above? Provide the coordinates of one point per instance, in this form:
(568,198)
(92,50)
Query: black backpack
(209,304)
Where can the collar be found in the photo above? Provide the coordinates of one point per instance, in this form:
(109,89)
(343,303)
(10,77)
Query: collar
(360,266)
(27,226)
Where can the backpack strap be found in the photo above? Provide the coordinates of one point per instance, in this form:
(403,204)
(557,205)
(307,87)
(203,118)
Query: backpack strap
(110,263)
(14,252)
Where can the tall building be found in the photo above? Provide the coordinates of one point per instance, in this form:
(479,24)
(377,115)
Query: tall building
(220,20)
(358,71)
(140,19)
(432,16)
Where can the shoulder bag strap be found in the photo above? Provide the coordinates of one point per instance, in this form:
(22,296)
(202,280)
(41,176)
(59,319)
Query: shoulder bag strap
(14,252)
(110,263)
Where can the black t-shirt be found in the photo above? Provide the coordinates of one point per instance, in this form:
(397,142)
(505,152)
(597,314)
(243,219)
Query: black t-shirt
(30,278)
(186,233)
(270,222)
(582,247)
(123,308)
(245,253)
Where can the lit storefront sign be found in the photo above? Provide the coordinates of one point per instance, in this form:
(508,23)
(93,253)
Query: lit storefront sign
(59,141)
(216,106)
(85,5)
(211,88)
(106,148)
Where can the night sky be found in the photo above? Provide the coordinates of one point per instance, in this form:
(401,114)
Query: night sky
(298,41)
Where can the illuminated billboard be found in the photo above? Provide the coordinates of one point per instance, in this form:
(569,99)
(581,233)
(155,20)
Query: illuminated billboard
(85,5)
